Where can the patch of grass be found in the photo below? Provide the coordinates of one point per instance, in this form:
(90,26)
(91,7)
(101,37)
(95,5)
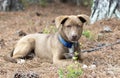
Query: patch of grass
(43,3)
(51,29)
(87,2)
(91,3)
(46,31)
(61,73)
(25,3)
(70,72)
(88,34)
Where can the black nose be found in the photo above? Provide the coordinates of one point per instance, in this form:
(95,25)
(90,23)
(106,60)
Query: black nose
(74,37)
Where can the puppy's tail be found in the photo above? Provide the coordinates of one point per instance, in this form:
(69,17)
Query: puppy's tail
(9,58)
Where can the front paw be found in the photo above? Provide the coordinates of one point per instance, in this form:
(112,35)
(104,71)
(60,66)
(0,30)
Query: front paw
(68,55)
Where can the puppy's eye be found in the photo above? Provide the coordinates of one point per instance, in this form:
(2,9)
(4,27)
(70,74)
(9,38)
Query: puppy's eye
(78,26)
(69,26)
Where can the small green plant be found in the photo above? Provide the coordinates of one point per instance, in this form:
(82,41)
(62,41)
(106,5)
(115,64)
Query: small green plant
(87,2)
(46,31)
(91,3)
(43,3)
(61,73)
(87,34)
(25,3)
(50,29)
(70,72)
(76,56)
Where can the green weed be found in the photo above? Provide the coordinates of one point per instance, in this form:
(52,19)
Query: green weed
(88,34)
(25,3)
(91,3)
(87,2)
(43,3)
(51,29)
(61,73)
(70,72)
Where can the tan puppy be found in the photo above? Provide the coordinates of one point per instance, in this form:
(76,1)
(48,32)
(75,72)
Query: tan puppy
(53,46)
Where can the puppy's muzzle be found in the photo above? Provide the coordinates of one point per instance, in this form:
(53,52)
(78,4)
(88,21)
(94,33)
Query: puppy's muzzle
(74,38)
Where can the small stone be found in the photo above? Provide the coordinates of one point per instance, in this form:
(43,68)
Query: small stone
(107,29)
(84,66)
(92,67)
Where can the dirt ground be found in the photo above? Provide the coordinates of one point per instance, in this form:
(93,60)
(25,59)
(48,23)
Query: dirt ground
(106,60)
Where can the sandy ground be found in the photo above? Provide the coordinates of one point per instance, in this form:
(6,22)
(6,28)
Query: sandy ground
(106,60)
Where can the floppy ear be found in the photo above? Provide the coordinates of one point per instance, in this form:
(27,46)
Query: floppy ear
(60,20)
(84,18)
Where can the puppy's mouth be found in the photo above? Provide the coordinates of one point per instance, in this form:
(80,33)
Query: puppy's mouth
(74,39)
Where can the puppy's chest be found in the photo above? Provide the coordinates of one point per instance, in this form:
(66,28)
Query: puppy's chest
(70,52)
(75,47)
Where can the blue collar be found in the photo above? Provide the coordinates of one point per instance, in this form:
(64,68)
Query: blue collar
(65,43)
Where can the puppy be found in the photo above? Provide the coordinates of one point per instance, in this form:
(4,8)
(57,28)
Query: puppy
(53,46)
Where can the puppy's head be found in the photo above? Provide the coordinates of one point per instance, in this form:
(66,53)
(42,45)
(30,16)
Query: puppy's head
(71,27)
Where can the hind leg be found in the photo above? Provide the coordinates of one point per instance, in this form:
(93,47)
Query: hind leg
(23,48)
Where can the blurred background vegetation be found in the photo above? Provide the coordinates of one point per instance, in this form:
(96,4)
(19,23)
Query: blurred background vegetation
(15,5)
(86,3)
